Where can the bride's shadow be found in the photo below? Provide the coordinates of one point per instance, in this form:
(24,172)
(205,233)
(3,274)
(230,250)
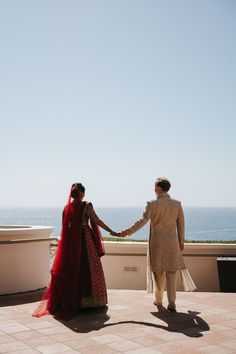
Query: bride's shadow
(88,320)
(190,324)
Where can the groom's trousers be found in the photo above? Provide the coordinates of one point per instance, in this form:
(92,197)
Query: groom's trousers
(170,287)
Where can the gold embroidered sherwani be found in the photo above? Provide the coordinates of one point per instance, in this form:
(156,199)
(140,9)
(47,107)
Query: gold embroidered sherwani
(166,233)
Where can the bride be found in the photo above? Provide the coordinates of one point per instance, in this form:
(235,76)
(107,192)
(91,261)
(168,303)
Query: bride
(77,278)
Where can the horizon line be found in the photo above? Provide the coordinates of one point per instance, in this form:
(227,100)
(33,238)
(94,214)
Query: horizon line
(119,206)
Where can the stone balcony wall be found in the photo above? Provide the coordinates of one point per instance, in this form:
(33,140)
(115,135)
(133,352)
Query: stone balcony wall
(125,264)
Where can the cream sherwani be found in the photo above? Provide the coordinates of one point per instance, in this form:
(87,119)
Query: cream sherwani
(166,233)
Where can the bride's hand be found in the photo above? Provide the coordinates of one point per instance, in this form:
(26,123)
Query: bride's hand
(113,233)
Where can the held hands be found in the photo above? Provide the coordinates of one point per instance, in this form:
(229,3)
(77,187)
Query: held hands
(119,234)
(113,233)
(123,233)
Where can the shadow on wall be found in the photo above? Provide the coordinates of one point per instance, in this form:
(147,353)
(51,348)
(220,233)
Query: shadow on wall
(21,298)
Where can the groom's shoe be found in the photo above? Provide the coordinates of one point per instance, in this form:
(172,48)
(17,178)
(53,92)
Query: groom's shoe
(171,309)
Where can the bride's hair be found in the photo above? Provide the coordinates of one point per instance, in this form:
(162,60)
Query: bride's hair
(77,188)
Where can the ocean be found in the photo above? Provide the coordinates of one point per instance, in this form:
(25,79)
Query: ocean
(201,223)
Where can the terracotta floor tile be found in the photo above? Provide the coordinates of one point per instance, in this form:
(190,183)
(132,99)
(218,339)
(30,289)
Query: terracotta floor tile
(53,330)
(230,323)
(169,347)
(37,323)
(219,327)
(10,346)
(26,335)
(53,348)
(131,333)
(230,344)
(216,349)
(216,338)
(149,340)
(4,338)
(124,345)
(107,338)
(25,351)
(38,341)
(192,343)
(71,352)
(99,349)
(229,315)
(131,324)
(65,336)
(230,333)
(78,344)
(189,351)
(14,327)
(142,351)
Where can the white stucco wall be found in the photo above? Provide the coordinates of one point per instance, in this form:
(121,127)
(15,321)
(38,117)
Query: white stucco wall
(24,258)
(125,264)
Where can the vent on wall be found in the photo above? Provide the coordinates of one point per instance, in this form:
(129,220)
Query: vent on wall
(130,269)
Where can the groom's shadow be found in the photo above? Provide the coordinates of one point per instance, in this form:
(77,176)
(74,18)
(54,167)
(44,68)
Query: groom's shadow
(189,323)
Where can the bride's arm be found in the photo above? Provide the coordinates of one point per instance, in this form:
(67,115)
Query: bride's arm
(93,216)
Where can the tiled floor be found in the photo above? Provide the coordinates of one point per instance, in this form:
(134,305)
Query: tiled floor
(204,323)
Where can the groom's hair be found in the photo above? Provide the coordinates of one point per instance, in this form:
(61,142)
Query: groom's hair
(163,183)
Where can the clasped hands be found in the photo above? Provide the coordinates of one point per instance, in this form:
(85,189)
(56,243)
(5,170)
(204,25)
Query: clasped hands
(119,234)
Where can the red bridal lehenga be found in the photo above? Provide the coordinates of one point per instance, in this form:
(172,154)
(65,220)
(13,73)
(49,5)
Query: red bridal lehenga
(77,279)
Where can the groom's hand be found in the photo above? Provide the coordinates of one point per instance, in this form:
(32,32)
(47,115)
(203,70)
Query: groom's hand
(123,233)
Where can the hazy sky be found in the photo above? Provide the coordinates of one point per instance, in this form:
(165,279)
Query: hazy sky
(114,93)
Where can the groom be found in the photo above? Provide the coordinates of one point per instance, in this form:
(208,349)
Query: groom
(166,241)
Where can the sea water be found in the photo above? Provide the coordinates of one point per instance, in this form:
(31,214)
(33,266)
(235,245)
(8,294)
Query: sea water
(201,223)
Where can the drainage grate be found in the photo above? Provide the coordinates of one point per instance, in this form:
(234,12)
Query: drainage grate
(131,269)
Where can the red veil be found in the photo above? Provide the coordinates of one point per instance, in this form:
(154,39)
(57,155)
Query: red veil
(61,297)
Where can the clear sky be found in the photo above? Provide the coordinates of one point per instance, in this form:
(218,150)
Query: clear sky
(114,93)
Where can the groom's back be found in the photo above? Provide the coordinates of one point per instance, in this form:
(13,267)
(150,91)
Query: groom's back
(165,211)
